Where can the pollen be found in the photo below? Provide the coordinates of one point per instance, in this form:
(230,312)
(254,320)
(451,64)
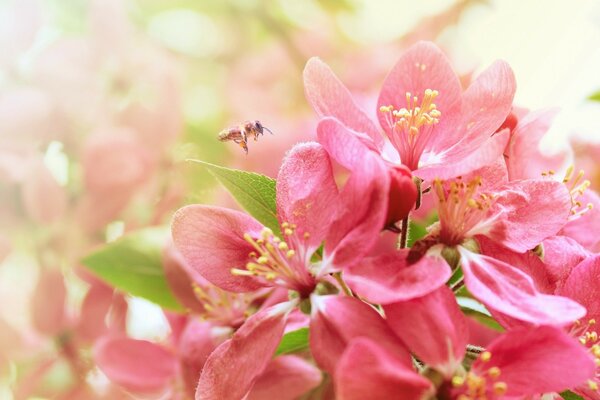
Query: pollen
(479,385)
(577,187)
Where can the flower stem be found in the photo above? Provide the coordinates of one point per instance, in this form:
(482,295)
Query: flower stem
(345,288)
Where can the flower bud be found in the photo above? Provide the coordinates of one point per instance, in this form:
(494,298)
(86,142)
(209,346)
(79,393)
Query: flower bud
(402,194)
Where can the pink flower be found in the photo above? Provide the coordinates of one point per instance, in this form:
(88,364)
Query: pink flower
(433,128)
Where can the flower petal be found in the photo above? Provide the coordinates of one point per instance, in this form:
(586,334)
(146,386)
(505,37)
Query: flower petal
(211,240)
(536,361)
(235,365)
(48,305)
(337,320)
(137,365)
(285,378)
(561,255)
(368,371)
(507,290)
(582,286)
(306,192)
(433,327)
(586,229)
(421,67)
(330,98)
(390,277)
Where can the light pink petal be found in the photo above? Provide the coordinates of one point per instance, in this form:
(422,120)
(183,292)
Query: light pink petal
(464,158)
(390,277)
(368,371)
(534,210)
(537,360)
(582,286)
(330,98)
(586,229)
(433,327)
(235,365)
(20,21)
(196,343)
(337,320)
(528,262)
(524,159)
(95,307)
(306,192)
(285,378)
(423,66)
(362,207)
(507,290)
(44,199)
(211,241)
(49,302)
(137,365)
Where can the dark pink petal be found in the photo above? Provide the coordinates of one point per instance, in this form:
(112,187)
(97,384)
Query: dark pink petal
(95,307)
(330,98)
(49,302)
(285,378)
(433,327)
(235,365)
(507,290)
(421,67)
(211,240)
(337,320)
(582,286)
(534,210)
(390,277)
(524,159)
(537,360)
(463,158)
(528,262)
(561,255)
(137,365)
(178,279)
(586,229)
(306,192)
(362,206)
(402,195)
(368,371)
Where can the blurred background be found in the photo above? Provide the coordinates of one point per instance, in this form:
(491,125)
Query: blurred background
(102,101)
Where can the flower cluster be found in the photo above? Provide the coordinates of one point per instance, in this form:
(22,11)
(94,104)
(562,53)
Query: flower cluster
(498,299)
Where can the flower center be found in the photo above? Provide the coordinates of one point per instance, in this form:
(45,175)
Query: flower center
(576,187)
(475,385)
(461,209)
(588,337)
(276,262)
(221,306)
(412,126)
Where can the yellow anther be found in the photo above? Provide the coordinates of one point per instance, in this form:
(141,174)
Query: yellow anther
(288,232)
(285,225)
(494,372)
(592,385)
(458,381)
(596,350)
(306,235)
(282,246)
(583,340)
(592,321)
(262,260)
(241,272)
(485,356)
(500,388)
(290,254)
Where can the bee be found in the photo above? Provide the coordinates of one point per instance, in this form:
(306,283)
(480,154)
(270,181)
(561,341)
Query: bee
(240,134)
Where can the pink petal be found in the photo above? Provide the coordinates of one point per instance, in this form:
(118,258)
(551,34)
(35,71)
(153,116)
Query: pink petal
(561,255)
(49,302)
(178,279)
(433,327)
(509,291)
(306,192)
(211,241)
(368,371)
(538,360)
(534,210)
(524,159)
(285,378)
(44,199)
(586,229)
(464,158)
(330,98)
(582,286)
(137,365)
(362,206)
(337,320)
(423,66)
(390,277)
(95,307)
(235,365)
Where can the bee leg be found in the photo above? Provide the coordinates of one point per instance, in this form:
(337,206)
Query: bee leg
(244,146)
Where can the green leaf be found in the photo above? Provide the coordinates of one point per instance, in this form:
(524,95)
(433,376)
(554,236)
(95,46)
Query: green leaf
(293,341)
(568,395)
(476,310)
(254,192)
(595,96)
(133,264)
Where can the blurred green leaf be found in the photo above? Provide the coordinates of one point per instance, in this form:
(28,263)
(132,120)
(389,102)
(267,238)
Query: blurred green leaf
(293,341)
(476,310)
(254,192)
(568,395)
(133,264)
(595,96)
